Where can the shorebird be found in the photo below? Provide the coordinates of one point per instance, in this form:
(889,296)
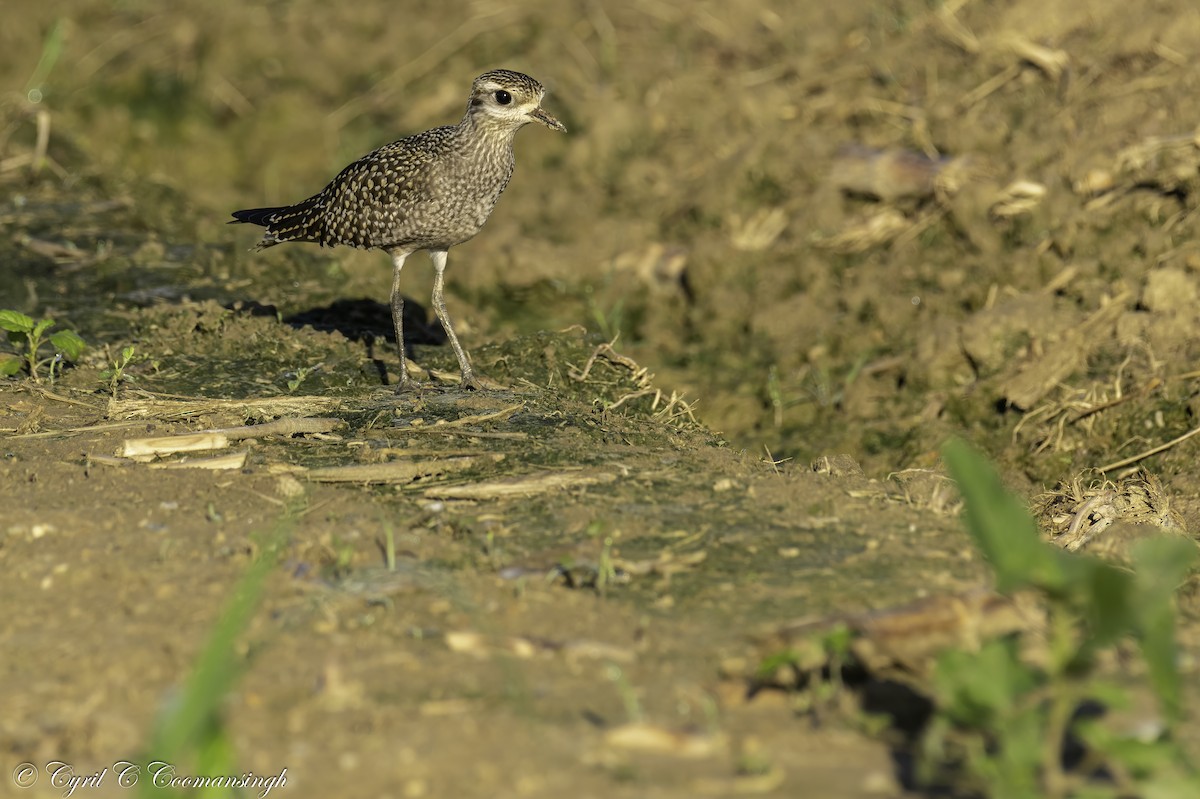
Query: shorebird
(428,192)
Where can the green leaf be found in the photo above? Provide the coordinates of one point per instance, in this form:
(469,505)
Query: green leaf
(1106,601)
(1021,741)
(1160,564)
(15,322)
(192,724)
(806,654)
(69,343)
(10,364)
(1001,526)
(979,688)
(838,641)
(1141,757)
(41,328)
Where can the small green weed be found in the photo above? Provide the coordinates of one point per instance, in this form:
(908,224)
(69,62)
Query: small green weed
(115,375)
(52,50)
(629,697)
(1003,721)
(191,736)
(29,337)
(294,379)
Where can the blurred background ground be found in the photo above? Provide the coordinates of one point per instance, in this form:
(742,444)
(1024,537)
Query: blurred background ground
(854,227)
(698,207)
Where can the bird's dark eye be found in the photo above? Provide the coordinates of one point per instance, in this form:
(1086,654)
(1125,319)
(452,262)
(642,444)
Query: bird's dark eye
(503,97)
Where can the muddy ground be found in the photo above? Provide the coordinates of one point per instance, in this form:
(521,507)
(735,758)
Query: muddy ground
(855,229)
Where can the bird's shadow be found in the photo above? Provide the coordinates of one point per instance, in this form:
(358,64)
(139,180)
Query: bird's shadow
(363,320)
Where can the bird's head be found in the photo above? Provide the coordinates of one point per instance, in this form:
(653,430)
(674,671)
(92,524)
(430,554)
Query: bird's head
(511,99)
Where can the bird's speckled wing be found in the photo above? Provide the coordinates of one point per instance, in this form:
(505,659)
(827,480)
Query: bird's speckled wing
(377,201)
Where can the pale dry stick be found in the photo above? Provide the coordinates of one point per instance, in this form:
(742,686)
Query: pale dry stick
(1140,155)
(1082,515)
(50,395)
(1052,63)
(641,374)
(645,392)
(771,460)
(892,108)
(1170,55)
(988,87)
(500,435)
(267,498)
(1152,451)
(78,430)
(1084,408)
(914,115)
(1061,280)
(43,140)
(919,226)
(526,485)
(875,230)
(768,74)
(394,472)
(176,406)
(1118,400)
(582,374)
(92,459)
(283,503)
(462,421)
(148,448)
(281,427)
(226,462)
(956,30)
(1060,429)
(15,162)
(672,401)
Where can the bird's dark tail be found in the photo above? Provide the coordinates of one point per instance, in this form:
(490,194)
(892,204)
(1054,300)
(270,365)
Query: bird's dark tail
(256,216)
(299,222)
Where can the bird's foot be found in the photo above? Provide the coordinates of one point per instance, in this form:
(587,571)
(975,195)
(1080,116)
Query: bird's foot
(406,383)
(469,382)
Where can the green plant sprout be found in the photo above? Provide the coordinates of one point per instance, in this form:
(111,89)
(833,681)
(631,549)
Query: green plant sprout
(191,730)
(1002,720)
(294,379)
(606,574)
(629,697)
(389,551)
(115,375)
(29,337)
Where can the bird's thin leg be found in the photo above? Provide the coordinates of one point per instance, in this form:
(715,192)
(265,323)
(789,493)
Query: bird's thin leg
(439,308)
(398,257)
